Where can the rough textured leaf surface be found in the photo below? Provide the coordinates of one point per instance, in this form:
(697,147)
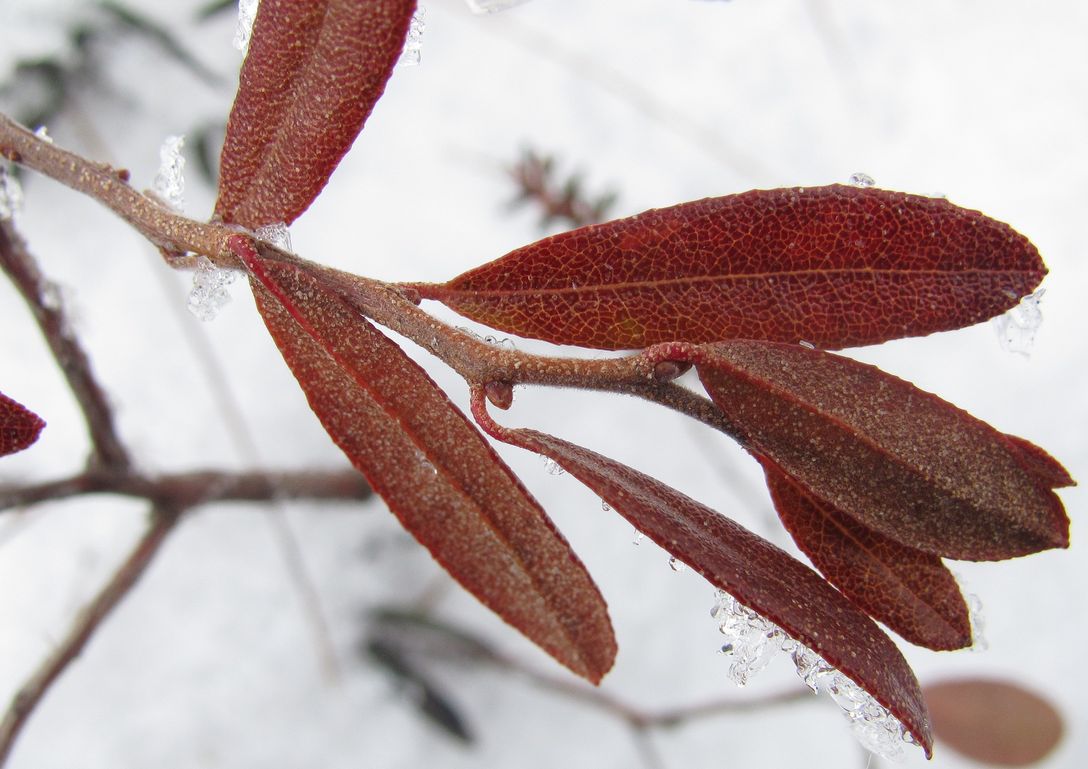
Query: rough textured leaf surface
(996,722)
(835,266)
(314,70)
(911,592)
(752,570)
(19,426)
(433,468)
(898,460)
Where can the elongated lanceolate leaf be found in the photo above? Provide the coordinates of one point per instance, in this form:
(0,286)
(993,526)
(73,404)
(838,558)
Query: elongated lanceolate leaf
(314,70)
(836,266)
(19,426)
(999,723)
(753,571)
(898,460)
(911,592)
(435,471)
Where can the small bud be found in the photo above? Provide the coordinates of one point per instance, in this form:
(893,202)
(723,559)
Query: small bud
(501,394)
(668,370)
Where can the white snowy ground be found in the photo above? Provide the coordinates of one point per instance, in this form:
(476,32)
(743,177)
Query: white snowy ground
(210,662)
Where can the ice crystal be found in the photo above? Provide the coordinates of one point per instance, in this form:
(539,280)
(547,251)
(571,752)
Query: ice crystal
(752,641)
(860,179)
(247,12)
(210,290)
(11,193)
(277,234)
(170,180)
(413,44)
(1016,328)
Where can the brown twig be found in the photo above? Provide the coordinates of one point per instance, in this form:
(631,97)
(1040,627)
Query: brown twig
(44,302)
(90,618)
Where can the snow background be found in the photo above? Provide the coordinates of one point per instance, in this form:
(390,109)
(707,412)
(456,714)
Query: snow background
(211,662)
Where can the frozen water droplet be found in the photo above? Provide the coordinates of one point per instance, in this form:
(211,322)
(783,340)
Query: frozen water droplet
(492,6)
(413,44)
(43,133)
(810,666)
(552,467)
(605,506)
(860,179)
(807,345)
(676,564)
(639,536)
(277,234)
(11,193)
(978,623)
(209,293)
(247,12)
(169,181)
(1016,328)
(425,464)
(503,344)
(751,639)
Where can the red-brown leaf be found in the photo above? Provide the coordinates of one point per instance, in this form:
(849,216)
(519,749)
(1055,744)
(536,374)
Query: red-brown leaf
(314,70)
(898,460)
(19,426)
(749,568)
(836,266)
(911,592)
(433,468)
(995,722)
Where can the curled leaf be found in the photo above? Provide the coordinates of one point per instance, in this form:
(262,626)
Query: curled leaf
(995,722)
(835,266)
(898,460)
(19,426)
(314,70)
(438,475)
(911,592)
(754,571)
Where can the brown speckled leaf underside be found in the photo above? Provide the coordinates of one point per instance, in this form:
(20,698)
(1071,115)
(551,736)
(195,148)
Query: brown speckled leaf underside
(911,592)
(314,70)
(435,471)
(899,460)
(835,266)
(19,426)
(752,570)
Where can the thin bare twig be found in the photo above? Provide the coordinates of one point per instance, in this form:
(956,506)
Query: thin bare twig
(32,692)
(44,302)
(197,487)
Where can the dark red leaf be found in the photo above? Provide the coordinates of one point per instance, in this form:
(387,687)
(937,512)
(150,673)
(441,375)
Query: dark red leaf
(995,722)
(19,426)
(433,468)
(911,592)
(898,460)
(836,266)
(314,70)
(752,570)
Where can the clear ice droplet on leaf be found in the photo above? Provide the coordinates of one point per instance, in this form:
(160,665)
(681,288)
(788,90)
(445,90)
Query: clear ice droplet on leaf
(676,564)
(11,193)
(552,467)
(860,179)
(413,44)
(247,12)
(752,641)
(170,181)
(492,6)
(210,289)
(1016,328)
(637,538)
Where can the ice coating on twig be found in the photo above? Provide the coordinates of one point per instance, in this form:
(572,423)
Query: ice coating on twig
(1016,328)
(11,193)
(752,641)
(210,290)
(247,12)
(492,6)
(413,44)
(170,181)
